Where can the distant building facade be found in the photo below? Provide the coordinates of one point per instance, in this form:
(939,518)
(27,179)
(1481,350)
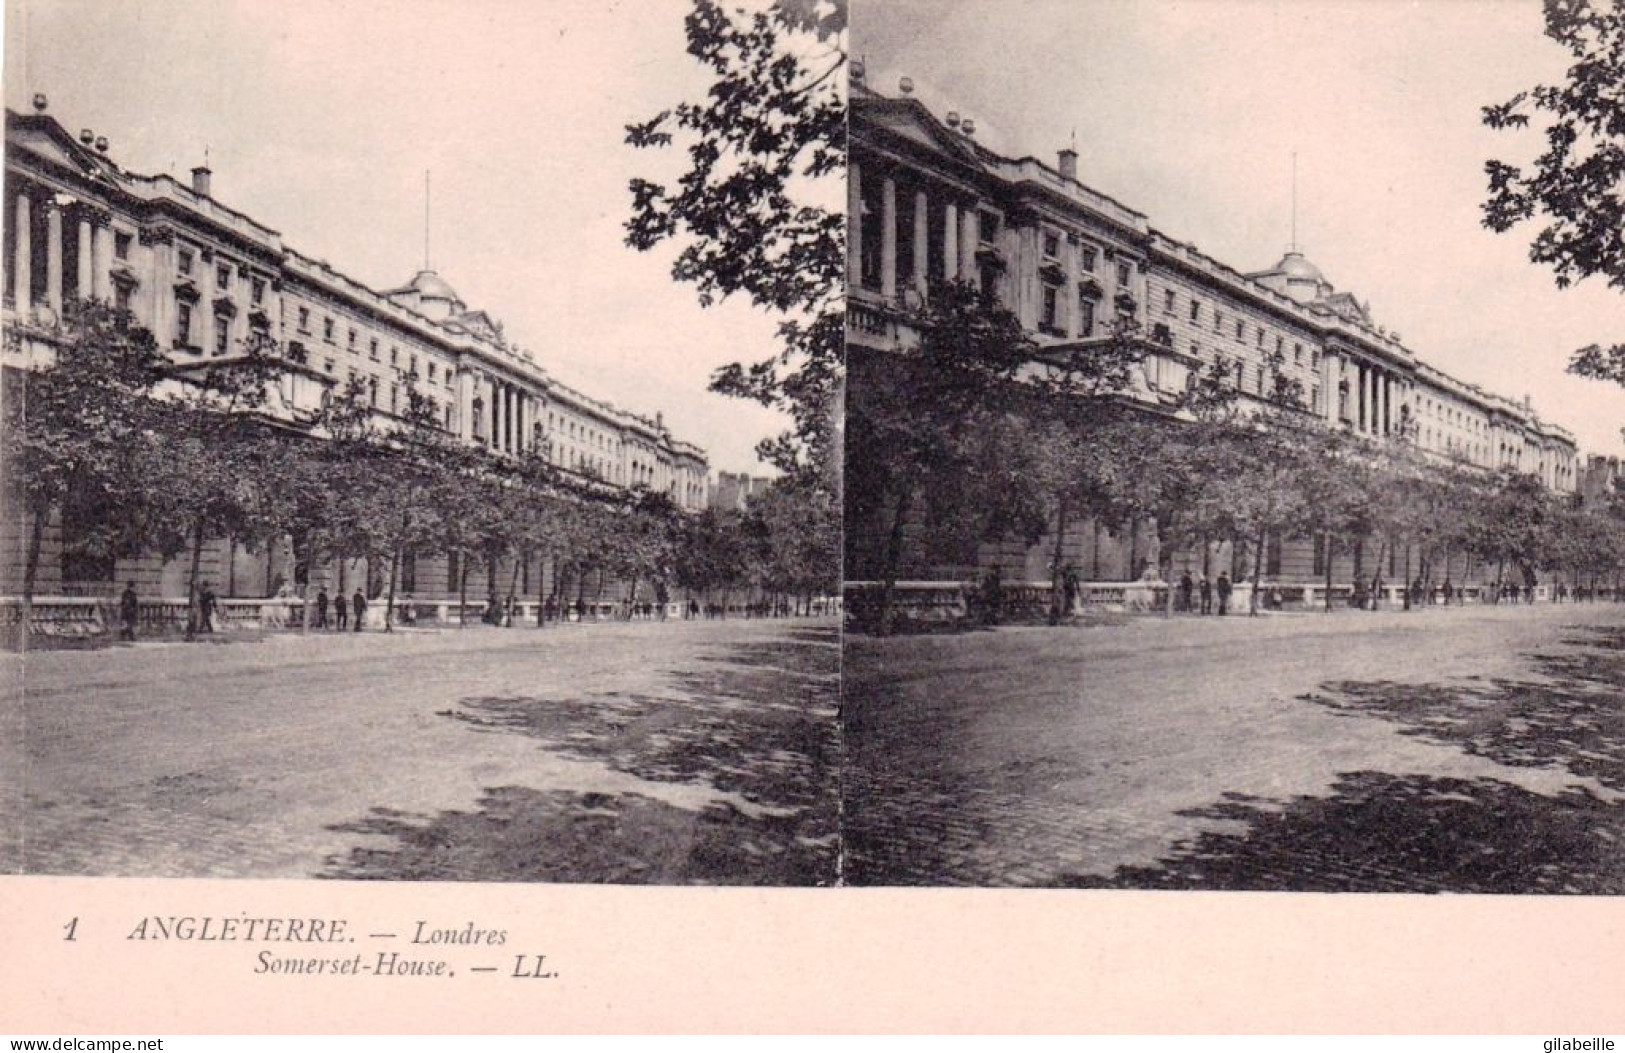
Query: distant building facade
(205,279)
(927,202)
(732,491)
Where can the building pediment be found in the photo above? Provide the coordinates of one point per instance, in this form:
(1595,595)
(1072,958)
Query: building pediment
(910,120)
(48,140)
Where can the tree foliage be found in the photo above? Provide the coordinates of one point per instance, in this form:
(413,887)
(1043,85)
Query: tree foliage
(771,128)
(1576,186)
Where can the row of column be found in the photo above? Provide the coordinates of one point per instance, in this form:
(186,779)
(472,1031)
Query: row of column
(95,255)
(512,417)
(960,235)
(1375,410)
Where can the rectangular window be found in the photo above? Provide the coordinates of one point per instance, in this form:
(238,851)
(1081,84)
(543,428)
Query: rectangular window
(257,290)
(121,246)
(1052,245)
(352,340)
(394,356)
(431,372)
(1122,275)
(1168,301)
(1086,258)
(183,261)
(1241,330)
(222,276)
(372,349)
(1086,316)
(1218,320)
(183,324)
(327,329)
(987,227)
(1196,309)
(121,296)
(329,366)
(304,319)
(1050,319)
(222,334)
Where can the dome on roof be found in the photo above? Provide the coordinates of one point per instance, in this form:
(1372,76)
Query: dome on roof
(432,286)
(1296,268)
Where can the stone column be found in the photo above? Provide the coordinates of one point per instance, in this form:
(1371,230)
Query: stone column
(1329,378)
(103,265)
(22,261)
(1070,304)
(888,238)
(854,225)
(84,289)
(969,237)
(950,242)
(1382,402)
(465,405)
(498,412)
(53,257)
(922,243)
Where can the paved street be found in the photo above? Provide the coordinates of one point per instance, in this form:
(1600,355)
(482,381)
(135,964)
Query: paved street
(1478,750)
(665,753)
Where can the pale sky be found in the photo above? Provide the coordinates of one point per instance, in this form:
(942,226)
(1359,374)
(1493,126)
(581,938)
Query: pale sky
(320,118)
(1190,111)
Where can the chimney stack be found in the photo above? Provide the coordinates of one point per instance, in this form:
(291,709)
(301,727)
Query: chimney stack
(1069,164)
(200,180)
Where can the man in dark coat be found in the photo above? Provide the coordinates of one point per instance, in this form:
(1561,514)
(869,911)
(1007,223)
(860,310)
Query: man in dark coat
(321,608)
(341,612)
(1185,586)
(1206,589)
(1224,593)
(359,602)
(129,612)
(205,609)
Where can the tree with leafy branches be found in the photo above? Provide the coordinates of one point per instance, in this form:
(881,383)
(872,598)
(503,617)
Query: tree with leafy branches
(915,420)
(1575,186)
(81,435)
(208,485)
(765,148)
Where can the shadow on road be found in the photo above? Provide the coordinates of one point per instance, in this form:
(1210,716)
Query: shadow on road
(755,723)
(1378,832)
(1382,832)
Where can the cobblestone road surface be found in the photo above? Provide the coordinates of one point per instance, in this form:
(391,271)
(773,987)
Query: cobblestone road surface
(683,752)
(1477,750)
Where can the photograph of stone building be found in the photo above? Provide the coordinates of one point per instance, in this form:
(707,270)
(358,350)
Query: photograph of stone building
(929,203)
(365,421)
(1290,562)
(203,277)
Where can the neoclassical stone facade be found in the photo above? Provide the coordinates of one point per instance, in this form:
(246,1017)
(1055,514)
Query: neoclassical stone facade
(205,278)
(926,201)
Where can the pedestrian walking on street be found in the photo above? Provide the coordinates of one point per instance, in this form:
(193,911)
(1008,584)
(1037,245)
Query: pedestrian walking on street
(1206,589)
(129,612)
(321,608)
(1224,593)
(1185,586)
(360,603)
(341,612)
(1449,590)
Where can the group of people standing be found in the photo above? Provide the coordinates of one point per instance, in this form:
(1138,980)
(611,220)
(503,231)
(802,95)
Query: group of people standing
(1190,590)
(343,611)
